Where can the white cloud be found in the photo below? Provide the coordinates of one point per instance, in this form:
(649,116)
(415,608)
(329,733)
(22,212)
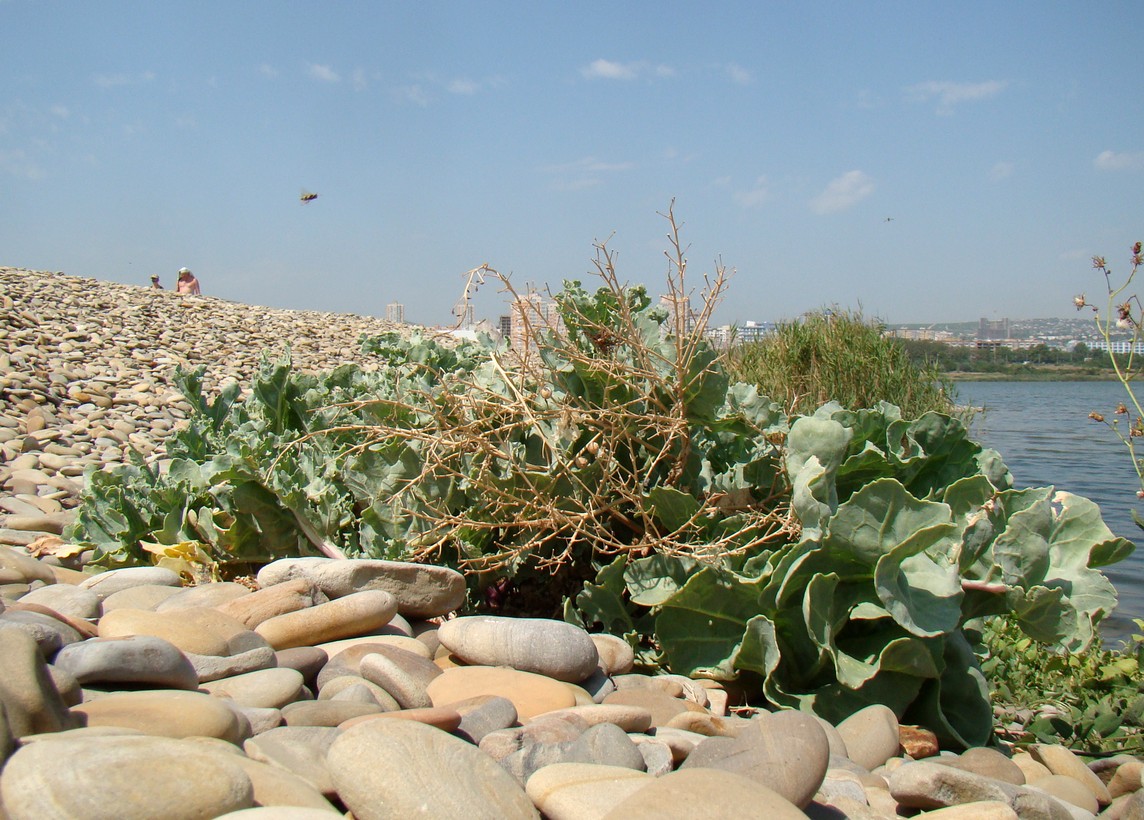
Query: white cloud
(1001,170)
(738,74)
(584,173)
(323,73)
(115,80)
(1120,161)
(61,111)
(609,70)
(463,85)
(267,70)
(949,94)
(359,79)
(590,165)
(414,93)
(755,195)
(843,192)
(17,164)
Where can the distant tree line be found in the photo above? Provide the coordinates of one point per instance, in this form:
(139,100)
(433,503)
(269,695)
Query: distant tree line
(949,359)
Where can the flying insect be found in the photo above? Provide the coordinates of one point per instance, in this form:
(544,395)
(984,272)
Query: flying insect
(307,197)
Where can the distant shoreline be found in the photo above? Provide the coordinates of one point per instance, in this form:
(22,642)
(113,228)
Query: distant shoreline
(1039,374)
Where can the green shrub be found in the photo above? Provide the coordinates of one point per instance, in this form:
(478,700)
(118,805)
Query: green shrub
(839,356)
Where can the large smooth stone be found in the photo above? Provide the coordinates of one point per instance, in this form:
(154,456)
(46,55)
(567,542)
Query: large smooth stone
(144,596)
(421,590)
(690,793)
(66,600)
(274,787)
(551,648)
(530,694)
(785,751)
(1059,760)
(871,735)
(112,581)
(925,785)
(302,750)
(394,768)
(340,618)
(137,660)
(262,689)
(662,707)
(404,675)
(18,564)
(214,667)
(121,778)
(264,604)
(172,713)
(210,595)
(30,699)
(49,633)
(187,633)
(568,791)
(328,713)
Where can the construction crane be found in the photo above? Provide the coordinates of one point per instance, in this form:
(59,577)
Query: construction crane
(463,310)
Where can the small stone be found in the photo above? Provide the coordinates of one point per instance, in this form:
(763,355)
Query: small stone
(481,715)
(917,742)
(986,762)
(616,655)
(210,595)
(871,736)
(628,718)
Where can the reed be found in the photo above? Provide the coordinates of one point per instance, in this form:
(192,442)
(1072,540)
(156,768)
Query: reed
(841,356)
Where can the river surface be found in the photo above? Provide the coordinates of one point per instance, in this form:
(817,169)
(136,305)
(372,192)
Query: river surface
(1045,437)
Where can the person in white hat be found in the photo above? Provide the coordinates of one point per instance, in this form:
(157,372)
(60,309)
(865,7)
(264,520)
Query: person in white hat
(187,283)
(155,282)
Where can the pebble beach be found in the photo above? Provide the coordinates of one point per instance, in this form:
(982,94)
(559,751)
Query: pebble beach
(324,687)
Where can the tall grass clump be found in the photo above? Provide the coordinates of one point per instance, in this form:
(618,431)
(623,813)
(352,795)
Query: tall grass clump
(839,356)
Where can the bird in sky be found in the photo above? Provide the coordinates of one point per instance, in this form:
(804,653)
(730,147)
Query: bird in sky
(888,219)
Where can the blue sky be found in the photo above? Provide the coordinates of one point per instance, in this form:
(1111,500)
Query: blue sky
(1004,140)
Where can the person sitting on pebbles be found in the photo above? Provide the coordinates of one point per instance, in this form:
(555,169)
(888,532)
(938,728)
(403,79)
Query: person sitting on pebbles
(187,283)
(155,282)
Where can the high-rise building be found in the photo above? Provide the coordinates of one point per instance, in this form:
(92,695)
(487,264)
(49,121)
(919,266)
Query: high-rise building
(505,326)
(992,330)
(531,313)
(676,305)
(395,312)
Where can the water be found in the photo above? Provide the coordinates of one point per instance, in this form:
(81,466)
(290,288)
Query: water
(1045,437)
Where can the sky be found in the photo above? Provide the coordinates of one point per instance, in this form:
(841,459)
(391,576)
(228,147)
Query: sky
(918,161)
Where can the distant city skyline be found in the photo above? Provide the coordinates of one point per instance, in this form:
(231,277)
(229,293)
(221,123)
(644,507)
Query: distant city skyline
(918,161)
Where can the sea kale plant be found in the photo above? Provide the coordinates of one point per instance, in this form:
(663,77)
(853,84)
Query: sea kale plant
(608,468)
